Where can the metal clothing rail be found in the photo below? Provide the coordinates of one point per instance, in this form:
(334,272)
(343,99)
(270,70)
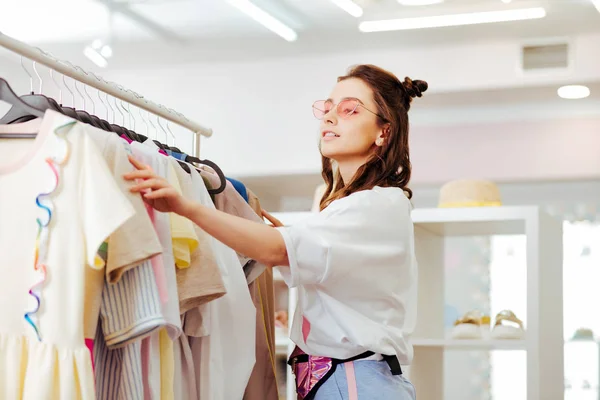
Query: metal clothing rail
(115,90)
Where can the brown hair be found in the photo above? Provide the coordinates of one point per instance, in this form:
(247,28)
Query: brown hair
(390,164)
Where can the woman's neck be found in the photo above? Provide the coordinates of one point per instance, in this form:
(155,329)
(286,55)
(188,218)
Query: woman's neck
(348,169)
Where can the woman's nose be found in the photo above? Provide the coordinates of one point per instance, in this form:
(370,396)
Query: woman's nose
(330,118)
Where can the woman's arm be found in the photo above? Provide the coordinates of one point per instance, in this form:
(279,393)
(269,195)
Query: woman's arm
(252,239)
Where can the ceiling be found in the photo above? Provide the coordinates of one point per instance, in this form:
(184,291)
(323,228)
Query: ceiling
(209,25)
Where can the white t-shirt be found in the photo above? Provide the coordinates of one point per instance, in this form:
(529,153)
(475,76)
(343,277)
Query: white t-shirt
(355,268)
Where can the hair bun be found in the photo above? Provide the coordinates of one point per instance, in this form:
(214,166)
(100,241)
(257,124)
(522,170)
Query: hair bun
(414,88)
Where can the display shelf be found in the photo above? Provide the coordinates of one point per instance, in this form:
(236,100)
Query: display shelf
(480,221)
(461,344)
(544,343)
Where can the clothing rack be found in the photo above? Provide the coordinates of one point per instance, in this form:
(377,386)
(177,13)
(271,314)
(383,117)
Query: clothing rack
(111,88)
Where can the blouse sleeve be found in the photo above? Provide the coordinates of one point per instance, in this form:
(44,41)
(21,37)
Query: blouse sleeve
(364,230)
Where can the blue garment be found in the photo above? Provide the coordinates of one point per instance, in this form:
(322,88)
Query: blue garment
(374,380)
(179,156)
(239,186)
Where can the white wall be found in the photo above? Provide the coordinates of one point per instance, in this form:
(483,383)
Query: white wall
(261,114)
(263,124)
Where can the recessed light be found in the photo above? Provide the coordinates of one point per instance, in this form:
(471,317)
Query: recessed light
(573,92)
(452,20)
(419,2)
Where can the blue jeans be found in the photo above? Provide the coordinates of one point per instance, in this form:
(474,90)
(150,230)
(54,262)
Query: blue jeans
(374,381)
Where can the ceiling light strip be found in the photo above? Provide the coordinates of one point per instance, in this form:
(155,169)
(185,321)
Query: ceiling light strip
(350,7)
(453,20)
(419,2)
(597,4)
(265,19)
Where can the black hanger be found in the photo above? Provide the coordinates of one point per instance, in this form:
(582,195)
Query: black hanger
(102,124)
(9,96)
(19,107)
(215,167)
(69,111)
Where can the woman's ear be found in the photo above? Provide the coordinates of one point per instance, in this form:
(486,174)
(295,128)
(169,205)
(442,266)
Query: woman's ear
(383,135)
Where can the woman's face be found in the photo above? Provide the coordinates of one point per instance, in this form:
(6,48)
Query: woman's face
(350,137)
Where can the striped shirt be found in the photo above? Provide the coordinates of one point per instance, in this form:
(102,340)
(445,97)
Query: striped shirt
(130,311)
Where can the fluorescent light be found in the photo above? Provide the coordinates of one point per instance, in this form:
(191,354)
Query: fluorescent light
(597,4)
(573,92)
(265,19)
(419,2)
(95,57)
(350,7)
(452,20)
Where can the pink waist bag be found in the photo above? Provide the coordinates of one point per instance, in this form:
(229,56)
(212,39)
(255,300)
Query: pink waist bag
(312,371)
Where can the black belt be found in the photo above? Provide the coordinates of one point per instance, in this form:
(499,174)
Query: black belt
(392,361)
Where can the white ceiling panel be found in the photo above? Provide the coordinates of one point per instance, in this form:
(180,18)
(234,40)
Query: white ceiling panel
(215,25)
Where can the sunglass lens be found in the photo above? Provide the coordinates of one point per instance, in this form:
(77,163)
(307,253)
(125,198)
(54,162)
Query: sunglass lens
(347,107)
(319,109)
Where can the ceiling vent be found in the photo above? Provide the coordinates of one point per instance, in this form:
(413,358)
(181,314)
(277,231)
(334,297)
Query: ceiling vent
(545,56)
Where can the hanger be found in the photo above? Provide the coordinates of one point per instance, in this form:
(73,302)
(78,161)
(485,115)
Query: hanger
(130,133)
(70,111)
(9,96)
(95,121)
(103,123)
(23,109)
(215,167)
(44,102)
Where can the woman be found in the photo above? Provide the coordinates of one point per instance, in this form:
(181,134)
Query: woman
(354,262)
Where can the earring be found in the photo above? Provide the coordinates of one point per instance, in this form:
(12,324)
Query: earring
(379,142)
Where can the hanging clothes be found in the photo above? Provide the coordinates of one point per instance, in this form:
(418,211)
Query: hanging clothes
(224,359)
(202,281)
(131,308)
(263,382)
(232,203)
(86,209)
(131,244)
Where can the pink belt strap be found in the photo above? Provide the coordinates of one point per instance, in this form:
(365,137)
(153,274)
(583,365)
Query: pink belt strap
(351,379)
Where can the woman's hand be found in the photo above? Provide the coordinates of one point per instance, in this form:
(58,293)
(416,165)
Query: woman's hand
(274,221)
(156,191)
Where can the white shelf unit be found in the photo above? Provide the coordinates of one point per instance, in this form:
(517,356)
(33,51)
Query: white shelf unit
(543,342)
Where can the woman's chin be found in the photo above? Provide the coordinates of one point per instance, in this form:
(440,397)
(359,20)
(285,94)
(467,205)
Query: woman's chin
(328,150)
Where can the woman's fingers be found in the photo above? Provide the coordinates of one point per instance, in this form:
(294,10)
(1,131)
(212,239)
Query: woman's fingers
(158,194)
(139,174)
(271,219)
(138,165)
(153,184)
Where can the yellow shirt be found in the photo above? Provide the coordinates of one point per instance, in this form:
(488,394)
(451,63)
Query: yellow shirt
(183,235)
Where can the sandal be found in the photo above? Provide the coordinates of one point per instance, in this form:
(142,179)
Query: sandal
(508,326)
(468,327)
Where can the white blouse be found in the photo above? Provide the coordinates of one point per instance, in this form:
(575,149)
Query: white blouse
(355,269)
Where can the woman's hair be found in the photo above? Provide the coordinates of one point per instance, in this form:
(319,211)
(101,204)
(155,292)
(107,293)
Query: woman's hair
(389,166)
